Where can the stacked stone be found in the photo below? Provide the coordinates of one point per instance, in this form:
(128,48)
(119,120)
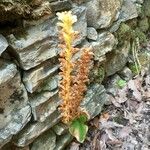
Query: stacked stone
(29,116)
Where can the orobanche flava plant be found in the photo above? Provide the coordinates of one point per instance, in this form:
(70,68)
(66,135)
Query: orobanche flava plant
(74,75)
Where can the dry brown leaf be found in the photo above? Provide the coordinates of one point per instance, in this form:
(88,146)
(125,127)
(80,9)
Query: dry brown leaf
(95,122)
(104,117)
(135,86)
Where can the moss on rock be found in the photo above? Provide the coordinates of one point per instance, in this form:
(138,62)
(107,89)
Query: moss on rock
(141,35)
(143,24)
(146,8)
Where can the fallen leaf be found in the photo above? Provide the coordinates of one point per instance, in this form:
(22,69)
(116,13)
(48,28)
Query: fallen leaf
(122,95)
(124,132)
(96,143)
(74,146)
(104,116)
(109,124)
(102,145)
(95,122)
(110,135)
(114,101)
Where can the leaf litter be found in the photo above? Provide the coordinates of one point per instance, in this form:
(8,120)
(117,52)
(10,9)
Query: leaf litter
(125,122)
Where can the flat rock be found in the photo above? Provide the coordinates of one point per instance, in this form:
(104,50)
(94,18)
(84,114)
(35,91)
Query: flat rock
(37,45)
(60,128)
(33,130)
(34,78)
(13,95)
(104,44)
(94,100)
(3,44)
(19,119)
(126,74)
(44,104)
(61,5)
(46,141)
(101,13)
(92,33)
(63,141)
(51,83)
(128,11)
(81,24)
(120,55)
(7,71)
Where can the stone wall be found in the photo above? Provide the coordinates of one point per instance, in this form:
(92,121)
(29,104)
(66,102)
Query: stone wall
(29,66)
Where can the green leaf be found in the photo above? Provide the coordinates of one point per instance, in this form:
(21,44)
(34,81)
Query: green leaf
(83,118)
(78,128)
(121,83)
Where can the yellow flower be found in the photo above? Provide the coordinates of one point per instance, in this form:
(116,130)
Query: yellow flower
(74,73)
(67,17)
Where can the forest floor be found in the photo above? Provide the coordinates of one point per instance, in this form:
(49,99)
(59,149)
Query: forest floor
(125,123)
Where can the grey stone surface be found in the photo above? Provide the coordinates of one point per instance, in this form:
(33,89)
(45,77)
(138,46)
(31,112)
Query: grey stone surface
(128,11)
(33,130)
(61,5)
(44,104)
(13,94)
(111,86)
(60,128)
(104,44)
(37,45)
(19,119)
(101,13)
(126,74)
(94,100)
(41,42)
(81,24)
(7,71)
(51,83)
(3,44)
(63,141)
(92,33)
(118,59)
(46,141)
(34,78)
